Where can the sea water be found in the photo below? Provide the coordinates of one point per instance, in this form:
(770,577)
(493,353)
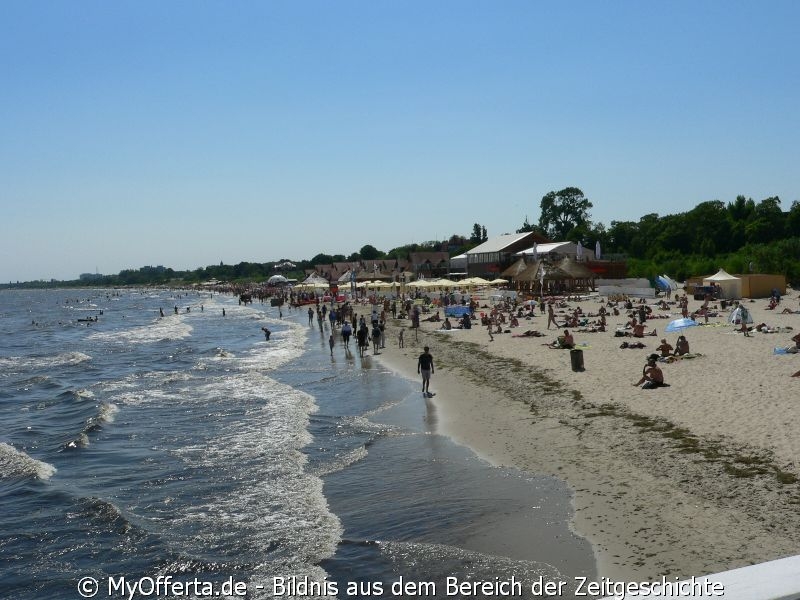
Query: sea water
(140,450)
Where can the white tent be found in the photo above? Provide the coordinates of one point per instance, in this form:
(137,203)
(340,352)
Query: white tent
(730,286)
(739,314)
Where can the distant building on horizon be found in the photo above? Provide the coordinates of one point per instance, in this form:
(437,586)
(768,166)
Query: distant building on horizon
(90,276)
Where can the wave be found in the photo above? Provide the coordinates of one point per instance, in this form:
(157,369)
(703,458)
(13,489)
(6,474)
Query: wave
(76,394)
(341,461)
(348,427)
(29,363)
(255,495)
(106,413)
(96,509)
(14,463)
(172,327)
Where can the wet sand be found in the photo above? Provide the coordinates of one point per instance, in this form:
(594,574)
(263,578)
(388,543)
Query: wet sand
(696,478)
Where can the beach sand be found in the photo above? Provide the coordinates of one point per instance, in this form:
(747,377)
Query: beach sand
(690,479)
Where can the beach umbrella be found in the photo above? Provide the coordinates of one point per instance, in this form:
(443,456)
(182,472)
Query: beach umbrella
(679,324)
(446,283)
(277,279)
(579,251)
(498,281)
(597,250)
(535,252)
(477,281)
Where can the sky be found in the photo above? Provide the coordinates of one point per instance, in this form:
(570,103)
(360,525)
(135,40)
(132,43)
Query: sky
(191,133)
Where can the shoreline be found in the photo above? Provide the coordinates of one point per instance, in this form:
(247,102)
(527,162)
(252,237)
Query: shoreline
(659,489)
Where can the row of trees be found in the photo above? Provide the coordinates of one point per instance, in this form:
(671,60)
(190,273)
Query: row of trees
(739,236)
(252,271)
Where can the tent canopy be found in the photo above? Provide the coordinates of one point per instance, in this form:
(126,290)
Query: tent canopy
(730,286)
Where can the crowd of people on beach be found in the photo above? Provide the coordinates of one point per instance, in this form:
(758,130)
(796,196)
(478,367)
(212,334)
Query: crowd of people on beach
(508,315)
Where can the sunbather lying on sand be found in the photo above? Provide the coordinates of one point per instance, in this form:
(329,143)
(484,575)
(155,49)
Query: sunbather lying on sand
(529,333)
(633,345)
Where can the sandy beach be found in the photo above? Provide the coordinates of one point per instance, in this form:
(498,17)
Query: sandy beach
(690,479)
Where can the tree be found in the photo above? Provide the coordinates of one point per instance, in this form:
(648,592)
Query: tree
(768,222)
(369,252)
(322,259)
(793,220)
(563,211)
(526,226)
(478,234)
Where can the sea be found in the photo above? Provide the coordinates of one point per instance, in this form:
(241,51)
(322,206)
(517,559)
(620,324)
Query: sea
(187,456)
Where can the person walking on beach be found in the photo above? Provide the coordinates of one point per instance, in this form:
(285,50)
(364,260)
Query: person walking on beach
(376,339)
(425,368)
(551,318)
(362,336)
(347,331)
(331,342)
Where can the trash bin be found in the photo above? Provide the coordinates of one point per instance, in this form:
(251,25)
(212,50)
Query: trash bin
(723,304)
(576,357)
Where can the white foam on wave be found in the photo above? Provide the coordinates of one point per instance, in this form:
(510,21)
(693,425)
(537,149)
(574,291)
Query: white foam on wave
(26,363)
(135,388)
(270,495)
(172,327)
(341,461)
(143,397)
(14,463)
(282,348)
(108,412)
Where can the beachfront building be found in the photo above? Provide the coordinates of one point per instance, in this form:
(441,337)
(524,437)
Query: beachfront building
(556,251)
(429,265)
(490,258)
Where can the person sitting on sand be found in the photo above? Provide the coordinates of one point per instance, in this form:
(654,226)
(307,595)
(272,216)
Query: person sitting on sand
(447,325)
(638,331)
(652,376)
(681,346)
(648,363)
(565,341)
(665,348)
(796,348)
(513,322)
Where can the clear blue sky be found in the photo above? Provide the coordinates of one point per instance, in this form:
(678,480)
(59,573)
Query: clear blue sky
(189,133)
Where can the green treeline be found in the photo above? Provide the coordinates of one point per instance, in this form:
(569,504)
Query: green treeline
(739,236)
